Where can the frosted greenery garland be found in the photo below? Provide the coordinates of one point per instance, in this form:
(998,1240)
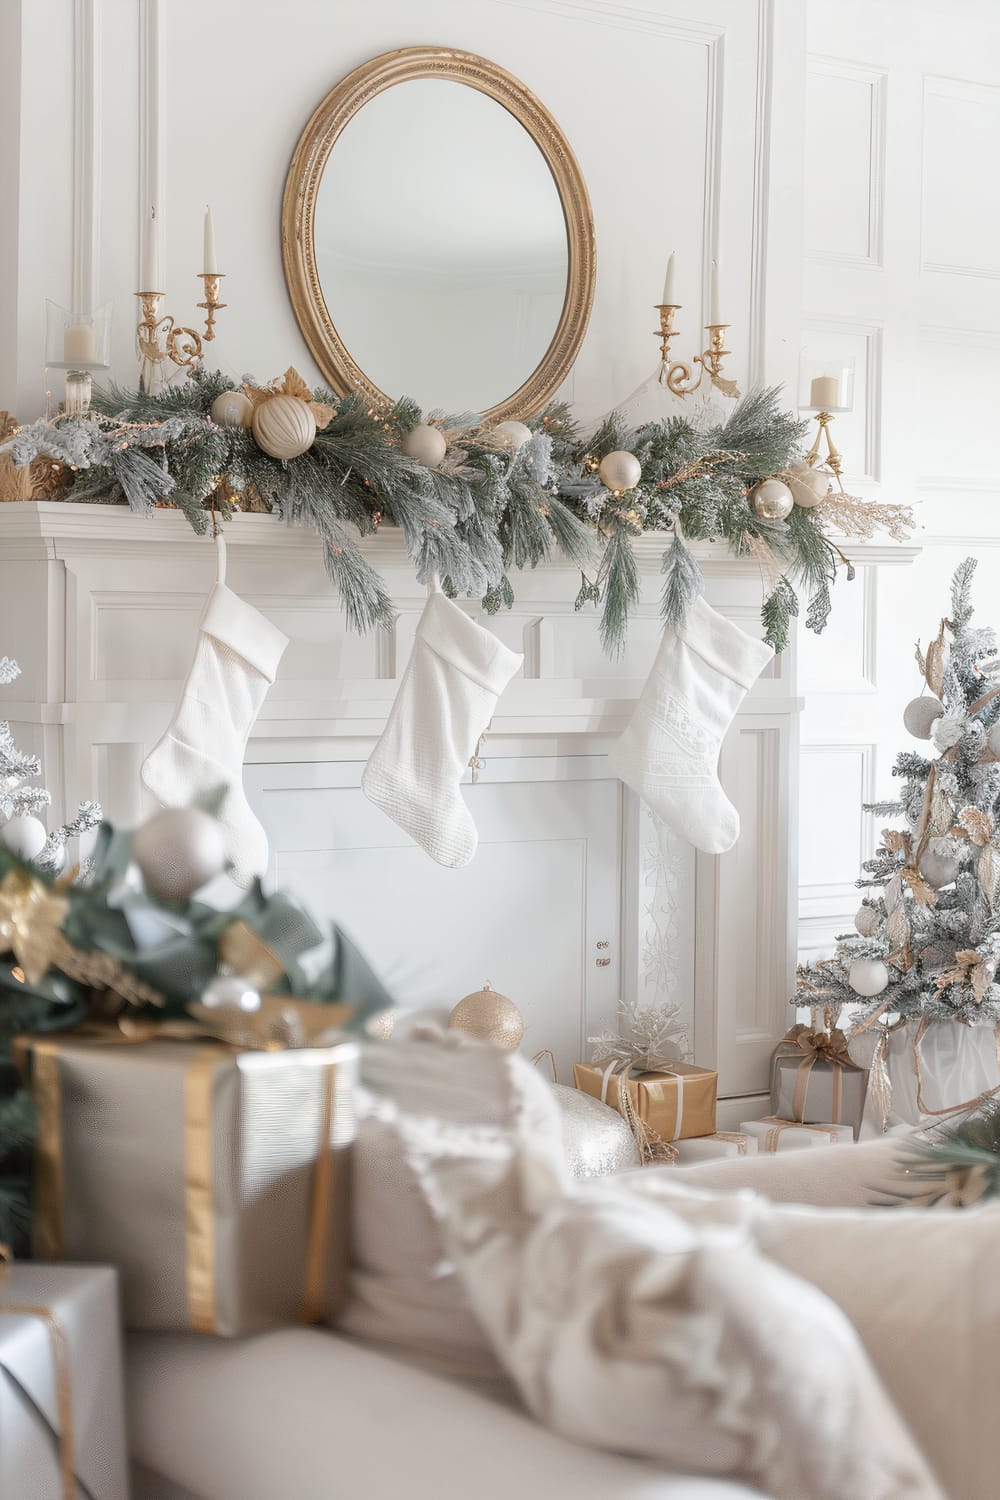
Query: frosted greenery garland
(941,947)
(485,510)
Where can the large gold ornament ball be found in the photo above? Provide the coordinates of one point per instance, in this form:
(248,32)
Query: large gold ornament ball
(808,486)
(595,1137)
(772,500)
(178,851)
(284,426)
(620,470)
(490,1016)
(232,409)
(425,443)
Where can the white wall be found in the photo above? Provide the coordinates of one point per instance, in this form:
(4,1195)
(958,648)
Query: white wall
(901,266)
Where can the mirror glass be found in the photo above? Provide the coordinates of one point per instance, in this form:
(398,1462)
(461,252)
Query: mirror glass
(441,245)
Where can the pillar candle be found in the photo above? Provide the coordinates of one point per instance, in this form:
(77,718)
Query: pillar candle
(668,300)
(824,392)
(80,344)
(208,259)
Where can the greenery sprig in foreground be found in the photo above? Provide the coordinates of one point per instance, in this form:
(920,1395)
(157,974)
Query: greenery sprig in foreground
(485,511)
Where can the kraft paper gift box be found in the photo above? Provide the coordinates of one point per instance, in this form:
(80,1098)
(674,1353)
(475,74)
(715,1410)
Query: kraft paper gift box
(214,1179)
(773,1134)
(725,1143)
(814,1081)
(62,1418)
(674,1105)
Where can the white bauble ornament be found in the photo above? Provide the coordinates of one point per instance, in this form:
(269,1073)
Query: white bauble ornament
(867,921)
(772,500)
(230,992)
(938,867)
(178,851)
(425,443)
(919,716)
(232,409)
(512,434)
(808,486)
(284,426)
(620,470)
(868,977)
(25,837)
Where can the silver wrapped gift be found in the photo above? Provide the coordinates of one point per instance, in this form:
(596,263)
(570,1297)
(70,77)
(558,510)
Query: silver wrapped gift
(214,1179)
(815,1082)
(62,1419)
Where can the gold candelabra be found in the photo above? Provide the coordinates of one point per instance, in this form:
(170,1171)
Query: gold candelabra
(680,378)
(160,338)
(833,459)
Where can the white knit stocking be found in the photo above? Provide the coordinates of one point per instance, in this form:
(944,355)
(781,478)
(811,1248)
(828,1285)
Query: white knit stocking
(669,753)
(445,701)
(235,662)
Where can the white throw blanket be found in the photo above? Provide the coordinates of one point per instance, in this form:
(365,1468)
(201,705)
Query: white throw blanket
(660,1329)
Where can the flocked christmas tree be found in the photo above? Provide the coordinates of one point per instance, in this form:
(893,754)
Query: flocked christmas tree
(927,945)
(23,1007)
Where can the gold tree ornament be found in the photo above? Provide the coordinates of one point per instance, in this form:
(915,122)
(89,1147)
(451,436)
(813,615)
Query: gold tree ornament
(284,417)
(31,918)
(490,1016)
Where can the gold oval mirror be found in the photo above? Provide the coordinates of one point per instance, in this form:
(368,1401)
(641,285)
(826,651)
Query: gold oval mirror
(437,237)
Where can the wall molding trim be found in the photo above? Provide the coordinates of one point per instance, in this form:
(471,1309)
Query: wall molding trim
(876,80)
(86,261)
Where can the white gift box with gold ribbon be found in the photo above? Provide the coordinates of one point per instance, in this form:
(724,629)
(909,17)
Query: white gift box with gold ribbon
(62,1418)
(214,1179)
(773,1134)
(717,1147)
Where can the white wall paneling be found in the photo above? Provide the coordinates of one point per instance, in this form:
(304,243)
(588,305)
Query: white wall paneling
(87,52)
(923,318)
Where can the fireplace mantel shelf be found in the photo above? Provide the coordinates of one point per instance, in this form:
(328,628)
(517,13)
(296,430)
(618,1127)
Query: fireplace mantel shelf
(54,528)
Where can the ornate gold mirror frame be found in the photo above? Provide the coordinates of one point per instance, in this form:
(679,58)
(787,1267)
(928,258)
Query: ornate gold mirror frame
(306,172)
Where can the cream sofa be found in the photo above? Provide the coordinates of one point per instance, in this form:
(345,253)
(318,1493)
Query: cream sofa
(306,1414)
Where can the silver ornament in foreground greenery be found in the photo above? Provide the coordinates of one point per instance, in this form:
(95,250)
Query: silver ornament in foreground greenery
(178,851)
(772,500)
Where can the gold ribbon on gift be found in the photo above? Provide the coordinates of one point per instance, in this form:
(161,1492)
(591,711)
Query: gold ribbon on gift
(779,1126)
(812,1047)
(738,1137)
(62,1375)
(198,1156)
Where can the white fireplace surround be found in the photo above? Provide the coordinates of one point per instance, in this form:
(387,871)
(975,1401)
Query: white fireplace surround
(574,898)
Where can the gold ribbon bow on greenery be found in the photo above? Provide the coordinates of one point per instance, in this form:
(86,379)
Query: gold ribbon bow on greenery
(31,918)
(811,1047)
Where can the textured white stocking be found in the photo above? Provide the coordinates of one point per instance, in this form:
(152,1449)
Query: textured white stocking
(670,751)
(235,662)
(445,701)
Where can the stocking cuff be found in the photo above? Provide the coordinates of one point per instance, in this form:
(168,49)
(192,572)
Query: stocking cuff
(466,646)
(235,623)
(724,646)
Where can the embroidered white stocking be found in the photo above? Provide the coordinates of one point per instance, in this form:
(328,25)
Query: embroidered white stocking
(235,662)
(670,751)
(445,701)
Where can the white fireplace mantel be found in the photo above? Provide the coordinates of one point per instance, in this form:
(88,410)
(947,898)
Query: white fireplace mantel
(100,608)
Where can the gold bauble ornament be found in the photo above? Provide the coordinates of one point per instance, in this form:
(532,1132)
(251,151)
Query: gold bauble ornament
(490,1016)
(619,471)
(232,409)
(381,1025)
(284,426)
(772,500)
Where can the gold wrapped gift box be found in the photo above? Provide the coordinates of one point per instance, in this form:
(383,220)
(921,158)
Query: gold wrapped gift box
(214,1179)
(674,1105)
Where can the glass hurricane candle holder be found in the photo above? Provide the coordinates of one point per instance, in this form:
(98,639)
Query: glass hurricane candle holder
(79,343)
(826,383)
